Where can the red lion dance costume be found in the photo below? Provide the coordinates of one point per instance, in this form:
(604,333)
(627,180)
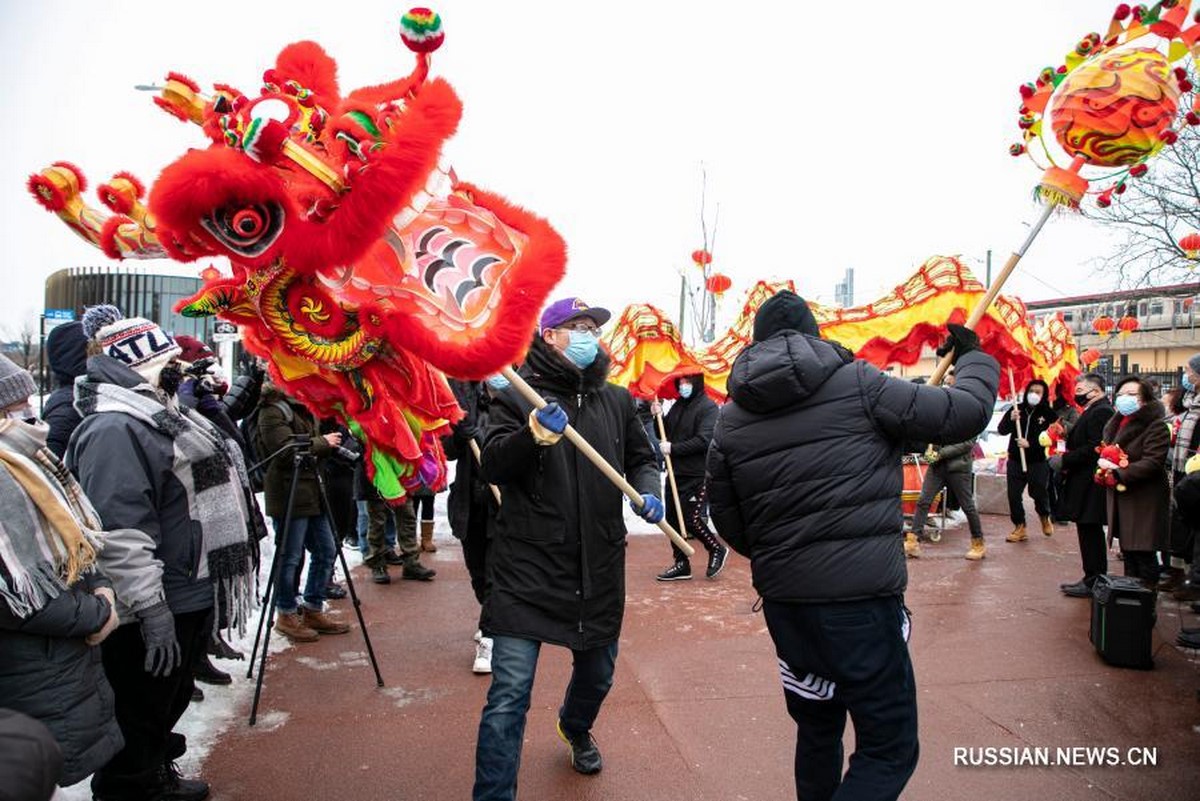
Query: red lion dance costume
(362,269)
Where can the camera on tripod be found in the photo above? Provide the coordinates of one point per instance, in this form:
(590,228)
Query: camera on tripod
(301,444)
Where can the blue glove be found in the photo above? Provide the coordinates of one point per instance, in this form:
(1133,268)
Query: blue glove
(652,509)
(552,417)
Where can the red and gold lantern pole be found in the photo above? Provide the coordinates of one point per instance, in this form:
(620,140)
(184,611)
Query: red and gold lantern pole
(1111,105)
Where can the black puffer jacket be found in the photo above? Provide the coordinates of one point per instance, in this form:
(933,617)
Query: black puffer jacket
(689,426)
(469,495)
(558,553)
(804,472)
(48,672)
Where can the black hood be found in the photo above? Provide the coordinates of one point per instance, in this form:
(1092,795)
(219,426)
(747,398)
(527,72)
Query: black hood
(783,371)
(697,387)
(66,352)
(548,368)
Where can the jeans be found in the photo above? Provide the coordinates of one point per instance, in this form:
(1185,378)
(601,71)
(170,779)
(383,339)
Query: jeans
(502,727)
(848,658)
(962,483)
(1038,479)
(314,534)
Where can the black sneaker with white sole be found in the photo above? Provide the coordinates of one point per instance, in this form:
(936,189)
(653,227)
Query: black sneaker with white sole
(585,755)
(716,561)
(680,571)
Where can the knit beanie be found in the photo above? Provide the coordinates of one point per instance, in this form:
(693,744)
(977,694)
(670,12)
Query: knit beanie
(136,342)
(192,349)
(66,352)
(1194,363)
(16,385)
(785,311)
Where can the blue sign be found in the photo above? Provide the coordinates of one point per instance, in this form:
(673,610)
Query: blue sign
(62,315)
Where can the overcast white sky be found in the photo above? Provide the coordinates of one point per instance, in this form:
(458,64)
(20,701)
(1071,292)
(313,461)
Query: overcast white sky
(831,140)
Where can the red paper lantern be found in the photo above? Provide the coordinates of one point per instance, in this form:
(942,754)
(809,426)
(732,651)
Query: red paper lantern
(1127,325)
(1190,245)
(1104,325)
(1089,357)
(718,283)
(701,257)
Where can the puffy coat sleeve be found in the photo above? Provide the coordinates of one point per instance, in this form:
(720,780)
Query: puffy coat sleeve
(1152,464)
(74,614)
(509,449)
(919,412)
(243,395)
(956,450)
(641,468)
(698,442)
(723,504)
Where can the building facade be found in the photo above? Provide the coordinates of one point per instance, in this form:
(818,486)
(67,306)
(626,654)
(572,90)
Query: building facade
(137,292)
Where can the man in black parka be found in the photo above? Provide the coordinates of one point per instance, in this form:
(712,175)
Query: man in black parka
(689,427)
(804,478)
(557,561)
(1085,503)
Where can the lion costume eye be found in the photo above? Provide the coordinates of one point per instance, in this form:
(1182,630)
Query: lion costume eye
(246,230)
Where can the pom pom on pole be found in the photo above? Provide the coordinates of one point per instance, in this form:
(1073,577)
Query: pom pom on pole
(421,30)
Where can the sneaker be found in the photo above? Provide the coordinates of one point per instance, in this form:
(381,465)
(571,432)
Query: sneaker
(483,656)
(1047,525)
(205,671)
(716,561)
(585,755)
(293,627)
(680,571)
(335,591)
(323,623)
(379,574)
(977,550)
(393,558)
(1018,534)
(176,788)
(415,571)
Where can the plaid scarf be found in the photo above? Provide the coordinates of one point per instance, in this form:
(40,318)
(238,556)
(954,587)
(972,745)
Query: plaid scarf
(1187,430)
(209,467)
(49,533)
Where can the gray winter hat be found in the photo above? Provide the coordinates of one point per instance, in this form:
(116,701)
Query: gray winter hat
(16,385)
(1194,363)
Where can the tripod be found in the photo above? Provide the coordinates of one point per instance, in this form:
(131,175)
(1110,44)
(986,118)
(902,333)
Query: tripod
(302,456)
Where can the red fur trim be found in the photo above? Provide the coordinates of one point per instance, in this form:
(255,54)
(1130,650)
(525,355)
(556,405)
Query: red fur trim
(138,187)
(204,180)
(387,183)
(183,79)
(108,236)
(309,64)
(541,266)
(79,176)
(46,193)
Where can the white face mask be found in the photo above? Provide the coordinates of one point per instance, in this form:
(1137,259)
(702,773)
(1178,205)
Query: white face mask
(1033,398)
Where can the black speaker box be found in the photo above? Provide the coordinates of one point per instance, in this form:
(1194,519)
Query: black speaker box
(1123,617)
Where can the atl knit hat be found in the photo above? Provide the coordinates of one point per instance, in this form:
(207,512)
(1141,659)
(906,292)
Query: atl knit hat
(133,341)
(16,385)
(192,349)
(786,311)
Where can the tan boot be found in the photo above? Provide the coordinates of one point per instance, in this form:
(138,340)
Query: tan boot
(1018,534)
(427,537)
(1047,525)
(912,548)
(292,626)
(977,550)
(322,623)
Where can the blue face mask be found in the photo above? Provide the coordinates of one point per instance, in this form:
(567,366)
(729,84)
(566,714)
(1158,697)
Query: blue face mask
(1187,383)
(1127,404)
(685,391)
(583,349)
(498,382)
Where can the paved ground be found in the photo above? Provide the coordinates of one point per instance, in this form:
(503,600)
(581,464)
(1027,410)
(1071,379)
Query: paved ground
(1002,659)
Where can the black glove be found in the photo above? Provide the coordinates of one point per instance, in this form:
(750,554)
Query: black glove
(960,340)
(158,633)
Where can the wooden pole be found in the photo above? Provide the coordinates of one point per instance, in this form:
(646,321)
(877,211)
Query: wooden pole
(662,435)
(479,461)
(1012,383)
(994,290)
(531,395)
